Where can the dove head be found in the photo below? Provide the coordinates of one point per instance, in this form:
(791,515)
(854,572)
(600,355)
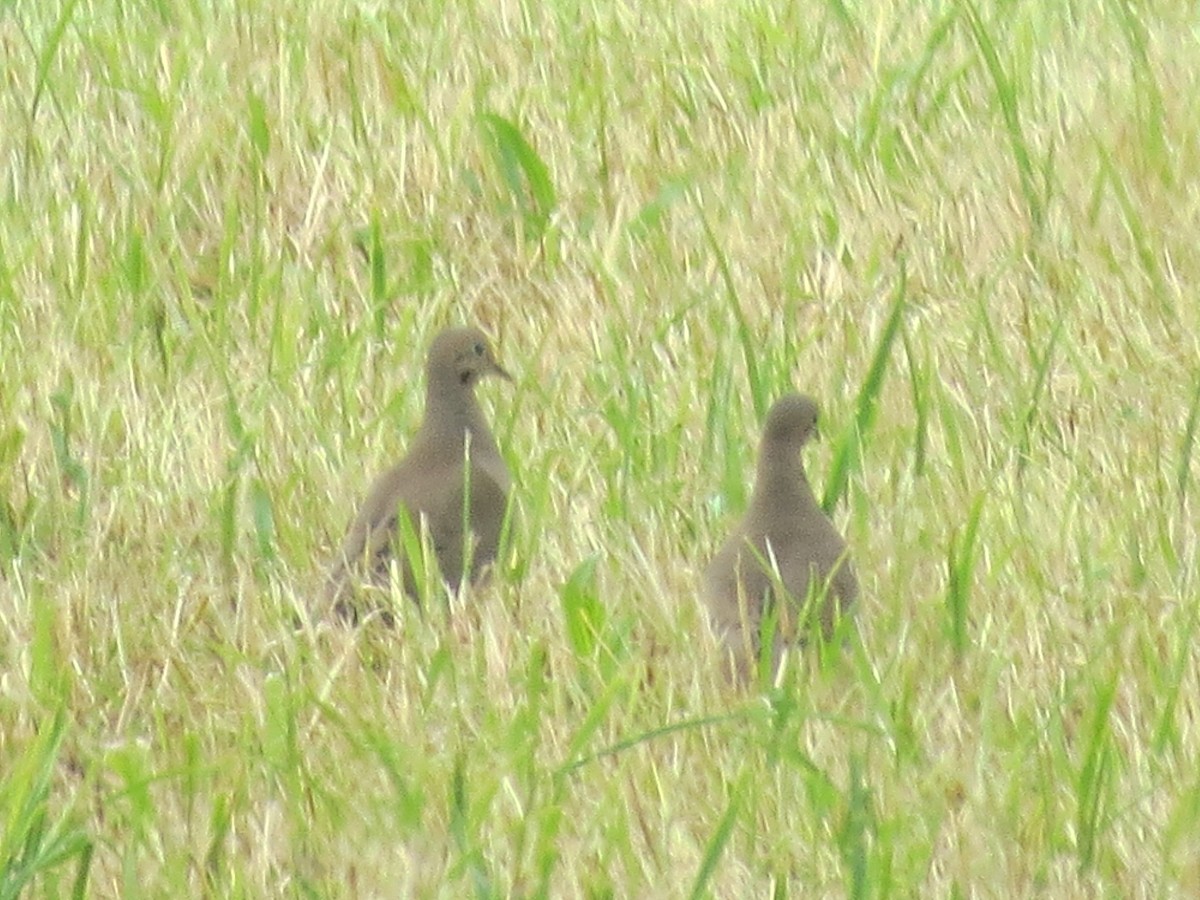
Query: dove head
(461,357)
(792,421)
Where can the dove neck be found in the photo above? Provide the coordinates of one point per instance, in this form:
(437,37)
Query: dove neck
(451,413)
(781,476)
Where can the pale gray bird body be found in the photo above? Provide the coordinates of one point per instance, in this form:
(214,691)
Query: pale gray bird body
(452,454)
(785,555)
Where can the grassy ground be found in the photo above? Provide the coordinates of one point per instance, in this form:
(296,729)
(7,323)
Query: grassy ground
(226,237)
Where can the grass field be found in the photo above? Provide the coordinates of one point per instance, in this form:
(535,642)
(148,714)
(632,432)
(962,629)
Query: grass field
(227,235)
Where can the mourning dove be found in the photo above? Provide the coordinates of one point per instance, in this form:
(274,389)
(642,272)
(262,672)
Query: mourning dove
(429,485)
(784,557)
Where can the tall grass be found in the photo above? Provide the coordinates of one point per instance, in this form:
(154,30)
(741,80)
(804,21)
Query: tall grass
(226,239)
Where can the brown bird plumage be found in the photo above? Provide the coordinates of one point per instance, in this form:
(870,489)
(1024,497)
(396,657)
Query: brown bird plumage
(785,554)
(430,483)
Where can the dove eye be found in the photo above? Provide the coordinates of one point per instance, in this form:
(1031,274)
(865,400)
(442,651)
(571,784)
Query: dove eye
(478,349)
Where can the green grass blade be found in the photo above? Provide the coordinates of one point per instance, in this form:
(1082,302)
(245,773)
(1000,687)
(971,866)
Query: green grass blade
(716,845)
(961,571)
(582,611)
(1183,473)
(1094,775)
(1040,373)
(845,18)
(1154,129)
(1144,243)
(750,349)
(377,261)
(46,58)
(215,856)
(1167,731)
(31,844)
(62,437)
(79,888)
(257,127)
(1006,95)
(621,746)
(525,174)
(461,827)
(263,515)
(918,379)
(845,457)
(650,216)
(856,832)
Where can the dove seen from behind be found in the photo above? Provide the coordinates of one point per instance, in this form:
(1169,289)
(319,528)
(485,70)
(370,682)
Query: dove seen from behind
(785,558)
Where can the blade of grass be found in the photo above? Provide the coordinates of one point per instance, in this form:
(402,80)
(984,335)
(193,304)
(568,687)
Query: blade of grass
(1167,730)
(13,519)
(408,801)
(379,279)
(1094,776)
(459,824)
(1143,243)
(918,378)
(845,18)
(258,130)
(1035,394)
(524,173)
(1154,128)
(230,502)
(582,611)
(263,515)
(62,436)
(416,557)
(750,350)
(961,568)
(650,216)
(28,846)
(621,746)
(1184,472)
(716,845)
(45,60)
(79,889)
(845,456)
(1007,96)
(854,836)
(937,37)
